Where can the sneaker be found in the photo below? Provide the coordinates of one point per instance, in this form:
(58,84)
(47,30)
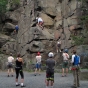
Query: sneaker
(12,75)
(23,86)
(62,76)
(8,76)
(18,85)
(34,74)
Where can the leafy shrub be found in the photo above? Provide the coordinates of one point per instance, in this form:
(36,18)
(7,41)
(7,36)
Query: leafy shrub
(78,40)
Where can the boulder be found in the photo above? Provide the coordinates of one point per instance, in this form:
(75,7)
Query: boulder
(3,39)
(9,27)
(58,23)
(48,21)
(50,11)
(47,3)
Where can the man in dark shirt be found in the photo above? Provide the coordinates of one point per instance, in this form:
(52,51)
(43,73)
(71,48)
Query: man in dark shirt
(50,63)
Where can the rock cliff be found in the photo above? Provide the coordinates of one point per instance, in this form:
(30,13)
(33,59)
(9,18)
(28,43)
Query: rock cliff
(61,22)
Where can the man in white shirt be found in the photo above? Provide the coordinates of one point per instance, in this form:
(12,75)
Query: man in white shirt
(10,65)
(40,22)
(75,68)
(38,63)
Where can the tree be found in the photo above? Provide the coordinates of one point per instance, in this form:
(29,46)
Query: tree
(3,4)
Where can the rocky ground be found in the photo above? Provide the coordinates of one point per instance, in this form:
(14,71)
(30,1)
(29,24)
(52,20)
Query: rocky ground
(38,81)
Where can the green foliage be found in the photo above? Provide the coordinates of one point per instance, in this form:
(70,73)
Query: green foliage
(84,10)
(78,40)
(3,4)
(84,18)
(15,1)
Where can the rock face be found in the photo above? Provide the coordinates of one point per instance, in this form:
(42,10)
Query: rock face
(61,19)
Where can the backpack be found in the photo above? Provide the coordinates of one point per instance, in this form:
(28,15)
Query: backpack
(76,60)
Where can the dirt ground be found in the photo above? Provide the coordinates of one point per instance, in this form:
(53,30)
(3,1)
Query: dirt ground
(84,76)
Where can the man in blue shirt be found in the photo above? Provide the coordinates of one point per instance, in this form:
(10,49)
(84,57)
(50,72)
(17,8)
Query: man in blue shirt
(75,68)
(16,29)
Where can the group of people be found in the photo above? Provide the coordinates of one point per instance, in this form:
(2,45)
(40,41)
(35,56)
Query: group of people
(50,64)
(18,68)
(75,62)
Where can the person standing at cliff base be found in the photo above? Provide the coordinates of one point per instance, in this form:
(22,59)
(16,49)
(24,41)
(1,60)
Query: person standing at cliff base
(38,63)
(10,65)
(19,70)
(50,63)
(65,63)
(75,69)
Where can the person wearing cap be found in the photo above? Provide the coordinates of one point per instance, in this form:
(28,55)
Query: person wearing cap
(50,63)
(65,62)
(38,63)
(10,65)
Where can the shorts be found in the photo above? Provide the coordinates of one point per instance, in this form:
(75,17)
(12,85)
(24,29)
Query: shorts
(10,65)
(38,65)
(50,75)
(59,45)
(65,64)
(40,22)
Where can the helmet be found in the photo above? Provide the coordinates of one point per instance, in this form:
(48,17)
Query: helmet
(38,53)
(51,54)
(66,50)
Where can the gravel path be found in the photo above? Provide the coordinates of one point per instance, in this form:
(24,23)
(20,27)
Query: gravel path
(38,81)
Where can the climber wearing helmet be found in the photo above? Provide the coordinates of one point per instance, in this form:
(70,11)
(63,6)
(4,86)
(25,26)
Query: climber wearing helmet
(50,63)
(65,62)
(38,63)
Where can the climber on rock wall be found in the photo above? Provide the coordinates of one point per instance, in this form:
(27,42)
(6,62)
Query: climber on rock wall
(40,22)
